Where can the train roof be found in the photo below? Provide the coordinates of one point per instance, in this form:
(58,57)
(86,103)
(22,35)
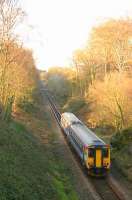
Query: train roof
(70,117)
(86,136)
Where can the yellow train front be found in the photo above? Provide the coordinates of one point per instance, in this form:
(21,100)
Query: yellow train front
(93,151)
(97,159)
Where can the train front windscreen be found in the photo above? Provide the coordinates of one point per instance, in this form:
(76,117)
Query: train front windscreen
(97,156)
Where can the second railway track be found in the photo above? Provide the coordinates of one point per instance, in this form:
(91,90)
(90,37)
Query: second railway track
(103,188)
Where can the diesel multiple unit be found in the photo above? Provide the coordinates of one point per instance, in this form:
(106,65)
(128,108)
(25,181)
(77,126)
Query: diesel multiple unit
(93,151)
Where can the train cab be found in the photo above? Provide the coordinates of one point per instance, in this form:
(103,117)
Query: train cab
(98,159)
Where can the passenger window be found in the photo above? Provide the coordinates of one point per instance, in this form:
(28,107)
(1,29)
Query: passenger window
(105,152)
(91,152)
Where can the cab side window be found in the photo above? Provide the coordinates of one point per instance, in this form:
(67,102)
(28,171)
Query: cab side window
(91,152)
(105,152)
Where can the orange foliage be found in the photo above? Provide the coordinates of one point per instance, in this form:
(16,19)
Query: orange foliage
(112,100)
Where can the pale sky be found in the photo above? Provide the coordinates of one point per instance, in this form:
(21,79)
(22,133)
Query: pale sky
(55,28)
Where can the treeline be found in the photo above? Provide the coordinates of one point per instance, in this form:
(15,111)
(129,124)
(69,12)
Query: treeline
(17,68)
(101,74)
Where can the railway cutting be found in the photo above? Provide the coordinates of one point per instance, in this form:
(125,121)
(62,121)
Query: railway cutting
(98,189)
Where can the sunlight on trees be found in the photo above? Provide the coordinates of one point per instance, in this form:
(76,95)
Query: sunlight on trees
(17,66)
(102,75)
(103,71)
(112,102)
(111,43)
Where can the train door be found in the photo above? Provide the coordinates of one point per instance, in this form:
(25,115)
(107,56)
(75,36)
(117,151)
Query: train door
(98,158)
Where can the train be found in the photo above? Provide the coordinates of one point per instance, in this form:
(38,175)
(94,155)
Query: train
(93,152)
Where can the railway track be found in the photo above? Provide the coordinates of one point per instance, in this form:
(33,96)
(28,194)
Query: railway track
(104,188)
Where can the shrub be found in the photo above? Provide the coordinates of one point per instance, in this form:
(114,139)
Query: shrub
(121,139)
(74,105)
(27,105)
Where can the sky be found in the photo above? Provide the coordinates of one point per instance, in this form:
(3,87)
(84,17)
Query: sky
(54,29)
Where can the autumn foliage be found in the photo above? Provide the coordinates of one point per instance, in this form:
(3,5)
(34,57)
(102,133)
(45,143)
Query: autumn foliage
(17,67)
(101,74)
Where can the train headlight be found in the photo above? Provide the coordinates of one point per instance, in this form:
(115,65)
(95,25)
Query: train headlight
(106,164)
(90,164)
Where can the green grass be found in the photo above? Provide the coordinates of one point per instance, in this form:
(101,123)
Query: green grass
(29,169)
(22,165)
(62,176)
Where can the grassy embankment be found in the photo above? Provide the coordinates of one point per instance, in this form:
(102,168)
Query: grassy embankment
(29,167)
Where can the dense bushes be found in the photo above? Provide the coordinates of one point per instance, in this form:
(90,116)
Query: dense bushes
(74,105)
(28,102)
(121,139)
